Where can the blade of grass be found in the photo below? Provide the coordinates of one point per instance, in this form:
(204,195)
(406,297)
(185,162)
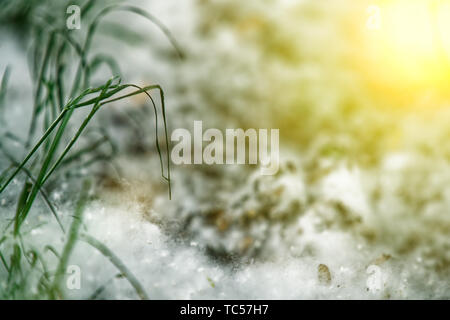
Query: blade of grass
(56,291)
(47,133)
(51,152)
(138,11)
(37,96)
(3,89)
(116,262)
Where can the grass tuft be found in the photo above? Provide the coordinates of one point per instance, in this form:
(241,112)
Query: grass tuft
(58,95)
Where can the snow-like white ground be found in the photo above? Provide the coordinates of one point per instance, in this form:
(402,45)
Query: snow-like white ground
(228,233)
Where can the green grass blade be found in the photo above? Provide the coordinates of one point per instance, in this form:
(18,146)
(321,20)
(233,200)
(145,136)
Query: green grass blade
(72,237)
(118,263)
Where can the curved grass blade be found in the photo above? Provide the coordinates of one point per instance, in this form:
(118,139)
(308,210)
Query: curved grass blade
(56,291)
(118,263)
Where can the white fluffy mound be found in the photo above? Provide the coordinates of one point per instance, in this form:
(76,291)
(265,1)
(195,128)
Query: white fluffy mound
(325,227)
(323,251)
(335,246)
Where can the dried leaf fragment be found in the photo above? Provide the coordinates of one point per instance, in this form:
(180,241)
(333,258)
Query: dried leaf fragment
(323,274)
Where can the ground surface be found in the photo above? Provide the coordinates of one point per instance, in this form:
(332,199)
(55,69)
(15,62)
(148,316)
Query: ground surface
(359,208)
